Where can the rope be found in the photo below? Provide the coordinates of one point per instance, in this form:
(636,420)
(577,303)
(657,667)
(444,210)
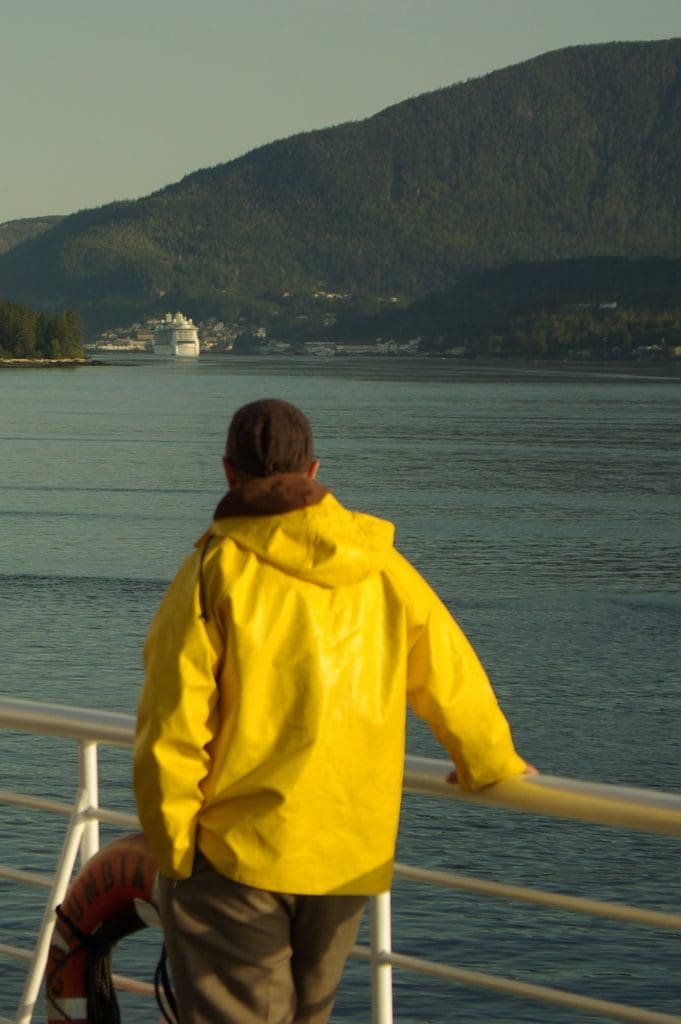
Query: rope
(163,990)
(102,1004)
(101,1001)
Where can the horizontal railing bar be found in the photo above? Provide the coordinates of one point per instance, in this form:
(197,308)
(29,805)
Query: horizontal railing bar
(16,952)
(37,803)
(117,818)
(111,727)
(528,990)
(620,806)
(126,984)
(38,881)
(644,810)
(600,803)
(360,953)
(559,901)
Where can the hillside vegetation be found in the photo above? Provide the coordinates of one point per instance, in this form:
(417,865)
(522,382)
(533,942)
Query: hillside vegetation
(610,305)
(25,334)
(572,155)
(13,232)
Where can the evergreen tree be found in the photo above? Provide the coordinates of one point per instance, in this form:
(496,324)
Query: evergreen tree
(25,334)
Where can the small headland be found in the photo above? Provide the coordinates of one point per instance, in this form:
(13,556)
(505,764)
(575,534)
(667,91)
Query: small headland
(49,362)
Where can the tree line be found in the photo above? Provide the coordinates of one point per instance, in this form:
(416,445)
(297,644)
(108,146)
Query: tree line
(595,334)
(27,334)
(603,307)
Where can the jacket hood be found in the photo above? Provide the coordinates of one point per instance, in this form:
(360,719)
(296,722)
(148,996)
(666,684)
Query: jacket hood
(298,526)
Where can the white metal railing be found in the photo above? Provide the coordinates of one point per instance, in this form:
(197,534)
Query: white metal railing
(636,809)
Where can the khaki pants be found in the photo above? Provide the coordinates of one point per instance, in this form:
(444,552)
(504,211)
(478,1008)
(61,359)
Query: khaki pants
(240,955)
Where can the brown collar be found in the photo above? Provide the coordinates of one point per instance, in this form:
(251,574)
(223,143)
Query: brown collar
(270,496)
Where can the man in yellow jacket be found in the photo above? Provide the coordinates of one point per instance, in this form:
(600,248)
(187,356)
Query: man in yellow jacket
(271,730)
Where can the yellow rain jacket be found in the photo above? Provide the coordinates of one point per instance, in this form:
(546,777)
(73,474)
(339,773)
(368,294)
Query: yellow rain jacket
(271,726)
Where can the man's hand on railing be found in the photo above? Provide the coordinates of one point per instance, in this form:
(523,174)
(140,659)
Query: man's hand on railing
(529,770)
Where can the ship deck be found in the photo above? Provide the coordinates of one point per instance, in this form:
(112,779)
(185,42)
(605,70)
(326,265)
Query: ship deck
(609,806)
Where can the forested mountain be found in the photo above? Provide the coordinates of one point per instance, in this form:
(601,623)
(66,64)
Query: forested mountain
(541,309)
(13,232)
(573,154)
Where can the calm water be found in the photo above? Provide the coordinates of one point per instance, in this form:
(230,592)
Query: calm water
(543,505)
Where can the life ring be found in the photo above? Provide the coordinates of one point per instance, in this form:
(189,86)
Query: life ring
(98,910)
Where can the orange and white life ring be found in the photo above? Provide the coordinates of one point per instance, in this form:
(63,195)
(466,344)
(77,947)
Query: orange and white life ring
(98,910)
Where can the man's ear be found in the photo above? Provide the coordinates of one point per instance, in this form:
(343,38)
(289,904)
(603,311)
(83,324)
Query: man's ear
(312,469)
(231,472)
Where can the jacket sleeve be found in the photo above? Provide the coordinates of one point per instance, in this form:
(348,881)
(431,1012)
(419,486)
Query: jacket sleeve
(176,721)
(448,687)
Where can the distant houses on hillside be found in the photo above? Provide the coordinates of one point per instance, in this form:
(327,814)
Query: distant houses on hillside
(216,336)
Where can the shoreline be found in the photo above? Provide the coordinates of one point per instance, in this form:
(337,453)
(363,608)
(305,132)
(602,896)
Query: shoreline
(42,362)
(486,362)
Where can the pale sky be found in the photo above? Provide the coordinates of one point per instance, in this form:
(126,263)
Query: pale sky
(113,99)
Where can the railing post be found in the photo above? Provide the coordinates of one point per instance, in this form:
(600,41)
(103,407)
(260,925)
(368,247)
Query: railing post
(89,784)
(381,968)
(60,884)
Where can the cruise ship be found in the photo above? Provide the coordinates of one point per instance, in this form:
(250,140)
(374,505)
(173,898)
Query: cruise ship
(176,335)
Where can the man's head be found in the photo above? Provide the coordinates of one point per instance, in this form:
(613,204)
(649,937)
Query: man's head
(268,437)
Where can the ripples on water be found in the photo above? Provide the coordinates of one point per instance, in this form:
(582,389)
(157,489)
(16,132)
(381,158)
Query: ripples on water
(544,508)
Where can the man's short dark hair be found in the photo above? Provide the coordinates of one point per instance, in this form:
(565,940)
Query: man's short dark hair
(269,436)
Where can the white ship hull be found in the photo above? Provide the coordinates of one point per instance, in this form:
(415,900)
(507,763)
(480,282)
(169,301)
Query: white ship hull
(176,336)
(184,348)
